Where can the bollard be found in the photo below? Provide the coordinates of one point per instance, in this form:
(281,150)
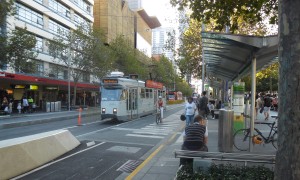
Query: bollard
(79,117)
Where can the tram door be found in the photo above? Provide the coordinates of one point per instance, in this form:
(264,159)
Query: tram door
(132,103)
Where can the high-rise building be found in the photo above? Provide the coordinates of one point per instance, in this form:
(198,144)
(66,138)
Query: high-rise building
(126,18)
(159,40)
(46,19)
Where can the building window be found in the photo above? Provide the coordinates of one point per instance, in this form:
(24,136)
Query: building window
(80,21)
(39,44)
(40,68)
(83,5)
(58,29)
(25,14)
(59,8)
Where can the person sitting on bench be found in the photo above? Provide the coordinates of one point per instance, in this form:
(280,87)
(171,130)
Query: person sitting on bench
(195,138)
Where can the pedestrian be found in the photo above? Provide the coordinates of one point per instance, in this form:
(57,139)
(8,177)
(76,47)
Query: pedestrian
(211,108)
(25,104)
(10,105)
(19,107)
(258,105)
(195,138)
(267,106)
(190,110)
(203,105)
(30,102)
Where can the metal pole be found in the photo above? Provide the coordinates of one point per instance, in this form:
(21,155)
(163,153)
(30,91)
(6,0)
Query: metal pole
(253,94)
(203,73)
(69,80)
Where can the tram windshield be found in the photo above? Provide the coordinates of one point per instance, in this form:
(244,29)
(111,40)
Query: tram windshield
(108,94)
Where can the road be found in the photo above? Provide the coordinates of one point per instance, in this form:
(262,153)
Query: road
(107,148)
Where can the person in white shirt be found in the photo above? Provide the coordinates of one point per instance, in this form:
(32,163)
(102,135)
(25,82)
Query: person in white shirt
(190,109)
(211,108)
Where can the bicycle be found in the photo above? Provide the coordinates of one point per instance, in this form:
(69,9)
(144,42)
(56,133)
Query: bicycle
(242,137)
(158,117)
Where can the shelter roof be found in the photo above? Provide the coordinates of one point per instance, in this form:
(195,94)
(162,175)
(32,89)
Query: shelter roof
(151,21)
(229,56)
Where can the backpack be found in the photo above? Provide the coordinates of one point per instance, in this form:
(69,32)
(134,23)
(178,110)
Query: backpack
(267,102)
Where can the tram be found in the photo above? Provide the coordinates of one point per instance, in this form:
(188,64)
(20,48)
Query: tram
(125,98)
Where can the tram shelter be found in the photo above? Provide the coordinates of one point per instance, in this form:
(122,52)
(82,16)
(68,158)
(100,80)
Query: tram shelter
(230,57)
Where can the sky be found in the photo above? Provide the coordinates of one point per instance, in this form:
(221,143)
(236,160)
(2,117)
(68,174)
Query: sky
(162,9)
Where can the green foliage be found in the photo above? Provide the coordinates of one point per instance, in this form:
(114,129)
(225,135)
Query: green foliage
(227,13)
(17,51)
(266,80)
(6,8)
(225,172)
(128,59)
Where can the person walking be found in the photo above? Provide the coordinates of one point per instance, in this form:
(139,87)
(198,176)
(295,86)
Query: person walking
(190,110)
(203,105)
(267,106)
(258,105)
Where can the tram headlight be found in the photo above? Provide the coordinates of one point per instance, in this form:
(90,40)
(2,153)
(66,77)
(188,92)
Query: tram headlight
(115,110)
(103,110)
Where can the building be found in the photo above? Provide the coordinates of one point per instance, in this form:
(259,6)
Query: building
(159,40)
(126,18)
(44,19)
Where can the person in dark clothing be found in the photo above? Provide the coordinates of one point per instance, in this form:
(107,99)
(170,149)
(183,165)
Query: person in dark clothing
(219,105)
(195,138)
(267,106)
(203,105)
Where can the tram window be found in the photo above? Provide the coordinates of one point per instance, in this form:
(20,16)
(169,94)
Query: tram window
(124,94)
(151,93)
(111,94)
(148,92)
(143,93)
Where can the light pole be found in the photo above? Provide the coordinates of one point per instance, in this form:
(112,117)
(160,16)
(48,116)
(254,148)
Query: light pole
(69,80)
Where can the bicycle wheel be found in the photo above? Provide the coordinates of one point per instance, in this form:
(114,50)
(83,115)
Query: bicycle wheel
(241,139)
(157,118)
(275,140)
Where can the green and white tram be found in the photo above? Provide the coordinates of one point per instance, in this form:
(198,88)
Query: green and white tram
(126,99)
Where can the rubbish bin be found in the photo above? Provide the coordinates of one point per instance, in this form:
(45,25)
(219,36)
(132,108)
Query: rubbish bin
(52,106)
(58,105)
(47,107)
(225,131)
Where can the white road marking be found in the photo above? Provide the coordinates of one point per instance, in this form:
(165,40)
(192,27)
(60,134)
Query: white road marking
(144,136)
(53,162)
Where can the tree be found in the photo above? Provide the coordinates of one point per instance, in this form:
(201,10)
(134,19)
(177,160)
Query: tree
(18,51)
(227,13)
(266,80)
(6,8)
(287,158)
(78,51)
(128,59)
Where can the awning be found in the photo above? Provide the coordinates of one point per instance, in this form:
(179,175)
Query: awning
(37,80)
(228,56)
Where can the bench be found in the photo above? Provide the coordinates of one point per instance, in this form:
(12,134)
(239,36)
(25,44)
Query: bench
(219,156)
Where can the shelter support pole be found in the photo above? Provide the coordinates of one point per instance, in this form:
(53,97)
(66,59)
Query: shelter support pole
(203,74)
(231,97)
(253,95)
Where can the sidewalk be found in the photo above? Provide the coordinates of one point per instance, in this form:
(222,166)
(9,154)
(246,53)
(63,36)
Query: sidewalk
(164,165)
(18,120)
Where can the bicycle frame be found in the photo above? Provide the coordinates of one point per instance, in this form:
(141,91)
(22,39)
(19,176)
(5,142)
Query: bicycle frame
(268,138)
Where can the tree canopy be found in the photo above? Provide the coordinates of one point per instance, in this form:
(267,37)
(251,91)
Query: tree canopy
(227,13)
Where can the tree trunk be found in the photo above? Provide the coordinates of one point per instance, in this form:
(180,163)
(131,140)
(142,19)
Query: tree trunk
(288,154)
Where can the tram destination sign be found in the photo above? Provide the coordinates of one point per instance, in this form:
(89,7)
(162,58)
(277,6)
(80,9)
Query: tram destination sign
(110,81)
(153,84)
